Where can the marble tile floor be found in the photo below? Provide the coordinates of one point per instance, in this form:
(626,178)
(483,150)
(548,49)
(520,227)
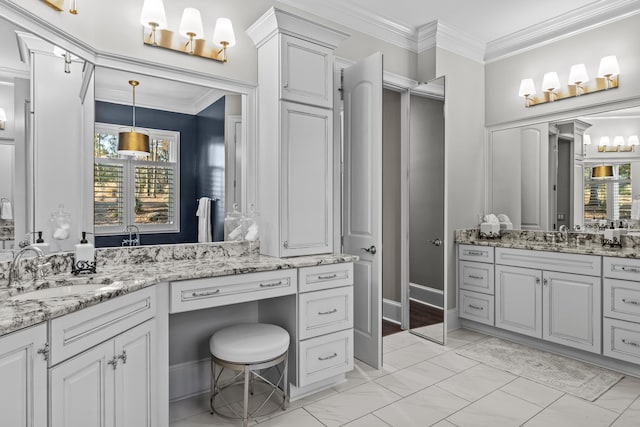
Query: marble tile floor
(425,384)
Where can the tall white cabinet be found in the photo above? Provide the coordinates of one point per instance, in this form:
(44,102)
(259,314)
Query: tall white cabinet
(295,133)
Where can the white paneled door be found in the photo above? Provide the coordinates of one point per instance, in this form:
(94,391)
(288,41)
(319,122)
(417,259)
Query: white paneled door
(362,201)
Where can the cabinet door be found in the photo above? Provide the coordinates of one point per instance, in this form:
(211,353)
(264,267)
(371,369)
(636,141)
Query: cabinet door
(518,300)
(307,72)
(134,376)
(572,311)
(23,374)
(307,180)
(81,389)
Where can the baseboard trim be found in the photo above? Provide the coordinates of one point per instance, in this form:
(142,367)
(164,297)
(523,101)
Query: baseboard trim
(189,379)
(426,295)
(453,321)
(392,311)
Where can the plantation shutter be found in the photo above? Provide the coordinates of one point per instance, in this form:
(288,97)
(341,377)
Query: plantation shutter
(108,189)
(154,192)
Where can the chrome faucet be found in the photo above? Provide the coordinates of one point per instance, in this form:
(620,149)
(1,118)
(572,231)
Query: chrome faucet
(14,269)
(132,241)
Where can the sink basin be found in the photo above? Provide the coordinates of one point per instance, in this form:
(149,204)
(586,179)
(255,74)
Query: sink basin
(61,291)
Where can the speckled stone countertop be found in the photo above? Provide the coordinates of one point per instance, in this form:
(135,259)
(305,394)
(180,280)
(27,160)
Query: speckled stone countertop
(554,241)
(124,270)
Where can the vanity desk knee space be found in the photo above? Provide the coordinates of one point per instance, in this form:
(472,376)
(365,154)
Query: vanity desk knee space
(117,356)
(582,301)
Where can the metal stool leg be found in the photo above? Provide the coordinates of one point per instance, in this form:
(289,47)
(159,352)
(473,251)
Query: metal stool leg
(285,385)
(245,411)
(212,387)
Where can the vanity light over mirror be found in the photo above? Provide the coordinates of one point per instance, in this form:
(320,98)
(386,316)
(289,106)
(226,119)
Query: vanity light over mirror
(577,172)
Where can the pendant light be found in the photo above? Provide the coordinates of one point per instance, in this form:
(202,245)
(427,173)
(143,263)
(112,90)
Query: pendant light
(133,142)
(602,172)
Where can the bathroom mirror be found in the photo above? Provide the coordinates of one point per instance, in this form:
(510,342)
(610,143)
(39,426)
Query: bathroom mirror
(196,151)
(537,174)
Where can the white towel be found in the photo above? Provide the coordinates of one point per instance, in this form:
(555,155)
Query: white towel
(635,209)
(204,219)
(6,211)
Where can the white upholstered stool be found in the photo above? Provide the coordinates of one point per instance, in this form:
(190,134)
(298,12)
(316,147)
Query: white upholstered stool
(248,349)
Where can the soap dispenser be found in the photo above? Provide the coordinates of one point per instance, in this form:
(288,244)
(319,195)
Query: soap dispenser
(40,243)
(84,260)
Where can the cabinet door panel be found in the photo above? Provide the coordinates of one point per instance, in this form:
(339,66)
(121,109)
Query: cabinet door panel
(572,310)
(134,376)
(306,72)
(23,375)
(82,390)
(307,177)
(518,300)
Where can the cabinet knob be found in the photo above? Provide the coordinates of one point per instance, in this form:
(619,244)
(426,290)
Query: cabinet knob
(545,282)
(123,356)
(286,85)
(44,351)
(285,244)
(113,362)
(537,280)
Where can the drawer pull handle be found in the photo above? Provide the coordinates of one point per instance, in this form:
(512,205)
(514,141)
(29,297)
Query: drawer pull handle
(630,269)
(205,293)
(329,277)
(475,253)
(631,301)
(323,313)
(631,343)
(334,355)
(475,307)
(271,285)
(476,277)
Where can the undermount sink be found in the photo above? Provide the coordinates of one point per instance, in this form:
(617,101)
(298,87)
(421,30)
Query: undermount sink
(62,291)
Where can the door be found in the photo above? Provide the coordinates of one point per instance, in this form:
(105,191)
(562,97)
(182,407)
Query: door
(572,313)
(134,376)
(362,201)
(518,300)
(82,389)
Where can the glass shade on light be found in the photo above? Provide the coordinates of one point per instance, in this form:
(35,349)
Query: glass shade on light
(527,88)
(191,24)
(586,139)
(618,140)
(602,172)
(550,82)
(578,74)
(633,140)
(153,14)
(608,67)
(604,141)
(3,115)
(223,34)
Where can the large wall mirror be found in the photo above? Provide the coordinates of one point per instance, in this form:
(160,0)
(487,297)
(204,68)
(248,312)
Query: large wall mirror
(542,175)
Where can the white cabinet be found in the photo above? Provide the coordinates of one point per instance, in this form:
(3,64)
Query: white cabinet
(564,308)
(476,283)
(295,127)
(108,385)
(23,375)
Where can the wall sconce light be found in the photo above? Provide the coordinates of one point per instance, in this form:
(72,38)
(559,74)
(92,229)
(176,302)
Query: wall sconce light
(74,7)
(602,172)
(59,5)
(191,39)
(608,73)
(3,118)
(132,142)
(586,139)
(66,56)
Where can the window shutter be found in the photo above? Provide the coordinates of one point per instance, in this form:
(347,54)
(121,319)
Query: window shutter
(108,194)
(608,198)
(154,195)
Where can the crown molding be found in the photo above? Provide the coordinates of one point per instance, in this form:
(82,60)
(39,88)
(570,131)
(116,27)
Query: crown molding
(161,102)
(577,21)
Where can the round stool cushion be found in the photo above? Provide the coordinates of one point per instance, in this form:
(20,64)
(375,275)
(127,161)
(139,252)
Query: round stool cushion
(249,343)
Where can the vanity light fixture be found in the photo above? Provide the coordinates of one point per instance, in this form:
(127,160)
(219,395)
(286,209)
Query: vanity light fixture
(602,172)
(579,83)
(3,118)
(618,144)
(190,37)
(74,7)
(132,142)
(633,141)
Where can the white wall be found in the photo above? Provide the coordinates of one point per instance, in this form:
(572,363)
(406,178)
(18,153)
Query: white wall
(6,171)
(503,77)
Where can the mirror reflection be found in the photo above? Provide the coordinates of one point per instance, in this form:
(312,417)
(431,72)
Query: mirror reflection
(547,176)
(194,156)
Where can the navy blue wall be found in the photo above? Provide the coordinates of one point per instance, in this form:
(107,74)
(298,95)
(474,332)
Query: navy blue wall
(187,126)
(211,161)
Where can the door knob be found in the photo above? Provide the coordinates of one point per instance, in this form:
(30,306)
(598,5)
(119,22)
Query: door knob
(372,250)
(436,242)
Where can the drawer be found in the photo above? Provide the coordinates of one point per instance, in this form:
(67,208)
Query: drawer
(325,276)
(621,268)
(621,300)
(477,307)
(621,340)
(75,332)
(476,276)
(589,265)
(475,253)
(326,311)
(324,357)
(187,295)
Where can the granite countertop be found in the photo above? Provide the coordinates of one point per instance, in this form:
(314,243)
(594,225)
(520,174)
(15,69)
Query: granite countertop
(554,241)
(120,279)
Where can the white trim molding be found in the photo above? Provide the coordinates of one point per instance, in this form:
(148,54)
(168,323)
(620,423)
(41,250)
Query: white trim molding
(392,311)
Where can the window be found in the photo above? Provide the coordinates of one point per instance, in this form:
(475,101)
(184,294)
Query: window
(143,191)
(608,198)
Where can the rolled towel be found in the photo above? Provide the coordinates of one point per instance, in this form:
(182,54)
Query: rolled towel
(6,210)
